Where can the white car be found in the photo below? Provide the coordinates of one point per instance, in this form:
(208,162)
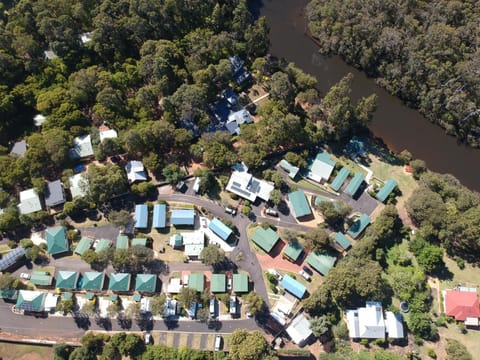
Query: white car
(229,283)
(25,276)
(304,275)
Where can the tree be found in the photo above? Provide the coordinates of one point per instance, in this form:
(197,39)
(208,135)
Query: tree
(208,182)
(248,345)
(457,351)
(173,174)
(281,88)
(65,306)
(254,302)
(61,351)
(418,168)
(421,325)
(426,207)
(317,240)
(82,353)
(89,308)
(157,304)
(113,308)
(320,325)
(296,159)
(187,296)
(33,253)
(6,281)
(334,213)
(212,255)
(133,311)
(90,256)
(122,260)
(119,218)
(106,182)
(275,197)
(430,259)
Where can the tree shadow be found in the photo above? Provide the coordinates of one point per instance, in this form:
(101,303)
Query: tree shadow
(82,320)
(104,323)
(171,323)
(123,322)
(145,323)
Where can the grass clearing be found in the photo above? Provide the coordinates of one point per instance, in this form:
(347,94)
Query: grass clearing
(17,351)
(210,342)
(468,277)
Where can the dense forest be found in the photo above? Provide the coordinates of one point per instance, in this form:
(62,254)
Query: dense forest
(425,52)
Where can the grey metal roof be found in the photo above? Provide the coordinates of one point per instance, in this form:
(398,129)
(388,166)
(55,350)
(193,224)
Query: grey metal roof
(19,148)
(11,258)
(54,194)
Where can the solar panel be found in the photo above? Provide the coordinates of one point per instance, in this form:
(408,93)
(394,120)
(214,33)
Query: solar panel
(255,186)
(241,191)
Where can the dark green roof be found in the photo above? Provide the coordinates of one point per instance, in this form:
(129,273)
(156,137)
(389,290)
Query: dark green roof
(30,300)
(354,184)
(387,188)
(122,242)
(342,240)
(299,204)
(139,241)
(240,283)
(321,262)
(66,279)
(41,278)
(359,225)
(218,283)
(84,244)
(9,294)
(102,244)
(146,282)
(293,250)
(266,239)
(93,280)
(56,240)
(196,282)
(342,175)
(119,282)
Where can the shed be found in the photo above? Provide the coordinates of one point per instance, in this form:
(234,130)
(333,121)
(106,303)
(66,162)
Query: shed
(293,286)
(139,242)
(292,251)
(141,216)
(146,283)
(219,228)
(102,244)
(182,217)
(159,215)
(240,283)
(66,279)
(41,278)
(196,282)
(218,283)
(54,194)
(289,168)
(359,226)
(56,240)
(82,147)
(342,240)
(93,280)
(386,190)
(30,301)
(83,245)
(194,243)
(299,203)
(340,179)
(11,258)
(122,242)
(108,134)
(355,184)
(266,239)
(9,294)
(119,282)
(321,262)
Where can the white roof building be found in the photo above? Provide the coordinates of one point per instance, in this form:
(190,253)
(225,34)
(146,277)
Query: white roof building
(29,202)
(394,324)
(194,242)
(82,147)
(39,119)
(366,322)
(50,302)
(86,37)
(247,186)
(79,185)
(236,119)
(174,286)
(299,330)
(135,171)
(282,309)
(108,134)
(50,55)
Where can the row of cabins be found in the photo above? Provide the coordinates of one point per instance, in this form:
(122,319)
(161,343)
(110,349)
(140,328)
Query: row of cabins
(218,283)
(177,217)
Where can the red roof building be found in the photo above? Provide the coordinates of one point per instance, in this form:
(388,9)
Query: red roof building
(463,305)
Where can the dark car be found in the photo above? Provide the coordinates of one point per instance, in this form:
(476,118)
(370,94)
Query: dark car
(308,270)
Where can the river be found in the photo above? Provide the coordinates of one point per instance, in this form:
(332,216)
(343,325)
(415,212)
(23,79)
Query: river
(397,125)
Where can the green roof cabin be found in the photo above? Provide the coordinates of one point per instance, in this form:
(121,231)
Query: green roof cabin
(321,262)
(83,245)
(56,240)
(92,280)
(354,184)
(289,168)
(266,239)
(359,226)
(342,240)
(30,301)
(196,282)
(102,244)
(340,179)
(240,283)
(122,242)
(139,242)
(146,283)
(119,282)
(9,294)
(66,279)
(292,251)
(320,168)
(218,283)
(386,190)
(41,278)
(299,204)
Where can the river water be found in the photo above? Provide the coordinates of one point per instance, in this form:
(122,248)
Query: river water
(397,125)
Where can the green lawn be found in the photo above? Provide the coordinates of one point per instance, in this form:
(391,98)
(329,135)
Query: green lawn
(16,351)
(469,277)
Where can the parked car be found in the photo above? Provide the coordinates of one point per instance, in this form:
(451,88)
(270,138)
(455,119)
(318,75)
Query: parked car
(271,212)
(305,275)
(230,210)
(218,342)
(25,276)
(307,270)
(148,338)
(229,283)
(275,273)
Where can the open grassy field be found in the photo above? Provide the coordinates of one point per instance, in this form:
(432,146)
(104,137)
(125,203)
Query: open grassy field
(161,240)
(468,277)
(25,352)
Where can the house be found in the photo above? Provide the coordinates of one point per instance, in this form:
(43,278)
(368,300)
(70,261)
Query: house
(463,305)
(146,283)
(56,240)
(41,278)
(194,243)
(83,245)
(320,168)
(354,184)
(294,287)
(159,216)
(141,216)
(359,225)
(108,134)
(196,282)
(54,194)
(321,262)
(79,185)
(174,286)
(82,147)
(32,301)
(92,281)
(218,283)
(236,119)
(29,202)
(135,171)
(366,322)
(299,204)
(289,168)
(299,330)
(171,308)
(342,240)
(240,283)
(9,259)
(122,242)
(19,148)
(220,229)
(240,74)
(265,238)
(386,190)
(394,325)
(182,217)
(292,251)
(119,282)
(340,179)
(247,186)
(66,279)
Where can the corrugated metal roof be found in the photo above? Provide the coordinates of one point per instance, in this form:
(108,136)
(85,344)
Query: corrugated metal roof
(354,184)
(196,282)
(122,242)
(218,283)
(386,189)
(66,279)
(141,216)
(359,225)
(293,286)
(240,283)
(266,239)
(119,282)
(299,203)
(159,215)
(182,217)
(293,250)
(342,240)
(321,262)
(342,175)
(146,282)
(84,244)
(220,229)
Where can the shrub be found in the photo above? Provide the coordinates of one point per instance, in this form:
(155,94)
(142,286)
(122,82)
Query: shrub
(460,263)
(365,342)
(431,353)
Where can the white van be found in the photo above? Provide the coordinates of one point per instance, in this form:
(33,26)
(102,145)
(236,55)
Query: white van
(271,212)
(213,307)
(218,342)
